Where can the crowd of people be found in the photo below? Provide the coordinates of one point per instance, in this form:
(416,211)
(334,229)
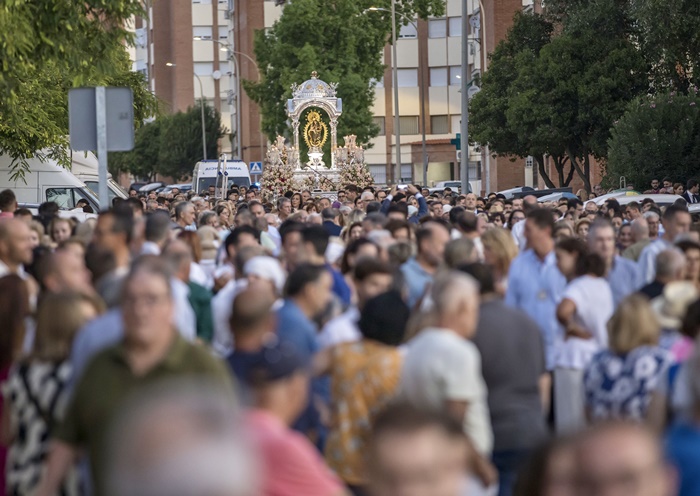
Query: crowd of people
(384,342)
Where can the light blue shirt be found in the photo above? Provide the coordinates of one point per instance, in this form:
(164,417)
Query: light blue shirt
(623,278)
(647,259)
(417,279)
(535,287)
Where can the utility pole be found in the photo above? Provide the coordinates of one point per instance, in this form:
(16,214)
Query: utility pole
(464,158)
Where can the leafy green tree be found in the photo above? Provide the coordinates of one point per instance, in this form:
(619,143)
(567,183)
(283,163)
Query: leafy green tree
(488,113)
(563,99)
(668,38)
(657,136)
(181,140)
(143,160)
(339,40)
(49,47)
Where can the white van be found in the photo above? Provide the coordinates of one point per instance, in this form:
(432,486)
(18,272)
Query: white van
(46,181)
(85,167)
(205,175)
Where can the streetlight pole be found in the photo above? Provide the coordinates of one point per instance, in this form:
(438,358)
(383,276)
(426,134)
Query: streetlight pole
(232,53)
(204,127)
(464,158)
(397,120)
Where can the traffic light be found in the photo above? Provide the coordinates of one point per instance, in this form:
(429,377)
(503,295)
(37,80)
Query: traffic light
(457,142)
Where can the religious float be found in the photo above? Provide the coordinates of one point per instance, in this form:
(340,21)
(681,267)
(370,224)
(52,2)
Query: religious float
(285,170)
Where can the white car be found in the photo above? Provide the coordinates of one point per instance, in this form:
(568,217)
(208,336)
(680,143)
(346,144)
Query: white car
(624,199)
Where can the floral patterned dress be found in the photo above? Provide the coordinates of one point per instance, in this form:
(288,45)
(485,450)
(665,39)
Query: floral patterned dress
(620,386)
(364,378)
(37,394)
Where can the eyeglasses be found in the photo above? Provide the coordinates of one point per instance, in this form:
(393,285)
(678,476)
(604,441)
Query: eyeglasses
(148,300)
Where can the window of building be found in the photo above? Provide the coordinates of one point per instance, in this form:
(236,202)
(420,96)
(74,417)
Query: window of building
(378,173)
(439,124)
(409,124)
(455,75)
(455,26)
(406,173)
(407,78)
(456,122)
(207,2)
(438,76)
(381,123)
(437,28)
(408,31)
(225,108)
(202,32)
(223,32)
(203,68)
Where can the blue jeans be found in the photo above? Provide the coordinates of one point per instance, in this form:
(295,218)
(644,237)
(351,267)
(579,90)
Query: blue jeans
(507,463)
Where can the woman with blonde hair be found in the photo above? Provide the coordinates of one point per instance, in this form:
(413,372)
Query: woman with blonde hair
(38,387)
(60,229)
(499,252)
(619,381)
(38,233)
(223,210)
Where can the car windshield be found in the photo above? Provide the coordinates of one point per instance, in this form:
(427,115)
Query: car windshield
(204,182)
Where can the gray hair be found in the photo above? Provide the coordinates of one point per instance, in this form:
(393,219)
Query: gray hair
(157,226)
(180,207)
(451,288)
(651,215)
(194,444)
(669,263)
(640,228)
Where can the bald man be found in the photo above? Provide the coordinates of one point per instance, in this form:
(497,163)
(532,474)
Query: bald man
(15,247)
(252,324)
(623,458)
(64,271)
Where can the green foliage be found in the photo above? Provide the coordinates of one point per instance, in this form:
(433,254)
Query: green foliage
(340,41)
(48,47)
(488,119)
(76,36)
(658,136)
(669,38)
(563,99)
(171,144)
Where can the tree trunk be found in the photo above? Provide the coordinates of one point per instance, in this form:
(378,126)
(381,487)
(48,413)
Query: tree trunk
(584,173)
(570,176)
(545,177)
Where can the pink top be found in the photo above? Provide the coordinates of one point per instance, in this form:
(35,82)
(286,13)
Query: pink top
(291,465)
(682,349)
(3,449)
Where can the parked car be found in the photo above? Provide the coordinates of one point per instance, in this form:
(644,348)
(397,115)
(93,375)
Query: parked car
(660,200)
(184,188)
(151,187)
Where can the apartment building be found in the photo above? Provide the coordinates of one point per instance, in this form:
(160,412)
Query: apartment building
(429,80)
(182,48)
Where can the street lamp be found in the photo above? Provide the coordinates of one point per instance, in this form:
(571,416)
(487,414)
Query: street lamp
(204,127)
(396,99)
(395,76)
(232,58)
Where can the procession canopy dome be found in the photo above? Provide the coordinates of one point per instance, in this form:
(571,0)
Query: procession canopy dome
(313,88)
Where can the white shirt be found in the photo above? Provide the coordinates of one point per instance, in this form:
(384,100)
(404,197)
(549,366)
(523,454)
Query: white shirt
(518,232)
(221,307)
(341,329)
(185,319)
(150,248)
(199,276)
(594,307)
(647,259)
(441,366)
